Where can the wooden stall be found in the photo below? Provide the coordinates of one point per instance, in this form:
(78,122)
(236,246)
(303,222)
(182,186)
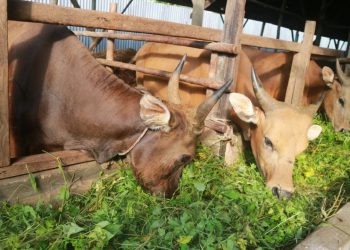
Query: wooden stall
(225,45)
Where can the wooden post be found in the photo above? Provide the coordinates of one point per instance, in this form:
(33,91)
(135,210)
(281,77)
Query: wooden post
(262,29)
(300,64)
(347,66)
(198,11)
(4,94)
(110,42)
(223,67)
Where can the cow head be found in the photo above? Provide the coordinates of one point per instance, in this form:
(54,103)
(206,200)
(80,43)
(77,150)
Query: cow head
(278,133)
(337,100)
(170,142)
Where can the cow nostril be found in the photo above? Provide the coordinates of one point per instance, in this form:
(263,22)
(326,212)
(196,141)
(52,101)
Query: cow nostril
(280,193)
(275,192)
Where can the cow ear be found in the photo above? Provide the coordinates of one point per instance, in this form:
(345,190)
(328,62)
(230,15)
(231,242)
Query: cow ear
(154,113)
(328,76)
(313,132)
(243,107)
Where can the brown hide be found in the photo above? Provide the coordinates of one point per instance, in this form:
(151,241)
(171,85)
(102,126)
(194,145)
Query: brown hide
(62,98)
(272,68)
(278,135)
(122,55)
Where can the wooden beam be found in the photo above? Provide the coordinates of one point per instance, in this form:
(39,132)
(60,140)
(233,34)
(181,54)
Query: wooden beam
(213,46)
(347,52)
(198,11)
(161,73)
(300,63)
(34,12)
(4,91)
(79,179)
(41,162)
(225,67)
(267,42)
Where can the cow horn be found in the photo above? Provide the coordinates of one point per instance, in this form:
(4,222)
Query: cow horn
(173,84)
(265,100)
(313,107)
(344,79)
(205,107)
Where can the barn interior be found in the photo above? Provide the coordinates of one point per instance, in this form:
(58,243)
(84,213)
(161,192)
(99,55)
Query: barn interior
(331,15)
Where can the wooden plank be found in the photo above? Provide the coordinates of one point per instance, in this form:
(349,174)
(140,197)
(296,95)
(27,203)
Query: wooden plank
(110,42)
(35,12)
(79,178)
(4,97)
(27,11)
(198,11)
(326,52)
(41,162)
(300,63)
(332,234)
(161,73)
(266,42)
(213,46)
(347,67)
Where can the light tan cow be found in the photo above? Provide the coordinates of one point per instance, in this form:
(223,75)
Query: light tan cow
(277,131)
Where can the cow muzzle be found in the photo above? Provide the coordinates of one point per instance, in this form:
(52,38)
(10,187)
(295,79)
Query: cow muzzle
(280,193)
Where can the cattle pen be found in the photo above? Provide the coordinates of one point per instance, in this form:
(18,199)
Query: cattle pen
(82,170)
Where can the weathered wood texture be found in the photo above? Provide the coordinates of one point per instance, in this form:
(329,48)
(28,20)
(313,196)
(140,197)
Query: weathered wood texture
(41,162)
(79,177)
(224,67)
(334,234)
(4,104)
(213,46)
(27,11)
(197,13)
(300,64)
(212,84)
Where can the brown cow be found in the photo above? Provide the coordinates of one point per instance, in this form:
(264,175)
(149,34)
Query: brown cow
(62,97)
(277,131)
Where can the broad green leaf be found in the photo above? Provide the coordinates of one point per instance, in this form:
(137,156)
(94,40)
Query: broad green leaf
(185,239)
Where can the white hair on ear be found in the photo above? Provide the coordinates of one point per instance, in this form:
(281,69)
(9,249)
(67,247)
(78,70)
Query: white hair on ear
(154,113)
(243,108)
(313,132)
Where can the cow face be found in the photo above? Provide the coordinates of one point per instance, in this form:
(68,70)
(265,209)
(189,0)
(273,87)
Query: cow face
(337,100)
(278,133)
(158,159)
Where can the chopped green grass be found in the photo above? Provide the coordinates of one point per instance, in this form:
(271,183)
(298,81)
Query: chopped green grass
(217,207)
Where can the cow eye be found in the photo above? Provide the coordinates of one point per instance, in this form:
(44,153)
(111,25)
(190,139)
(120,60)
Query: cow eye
(341,101)
(268,142)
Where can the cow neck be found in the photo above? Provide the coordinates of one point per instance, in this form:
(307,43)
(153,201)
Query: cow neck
(118,103)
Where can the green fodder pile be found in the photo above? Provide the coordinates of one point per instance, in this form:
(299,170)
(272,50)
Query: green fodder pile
(217,207)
